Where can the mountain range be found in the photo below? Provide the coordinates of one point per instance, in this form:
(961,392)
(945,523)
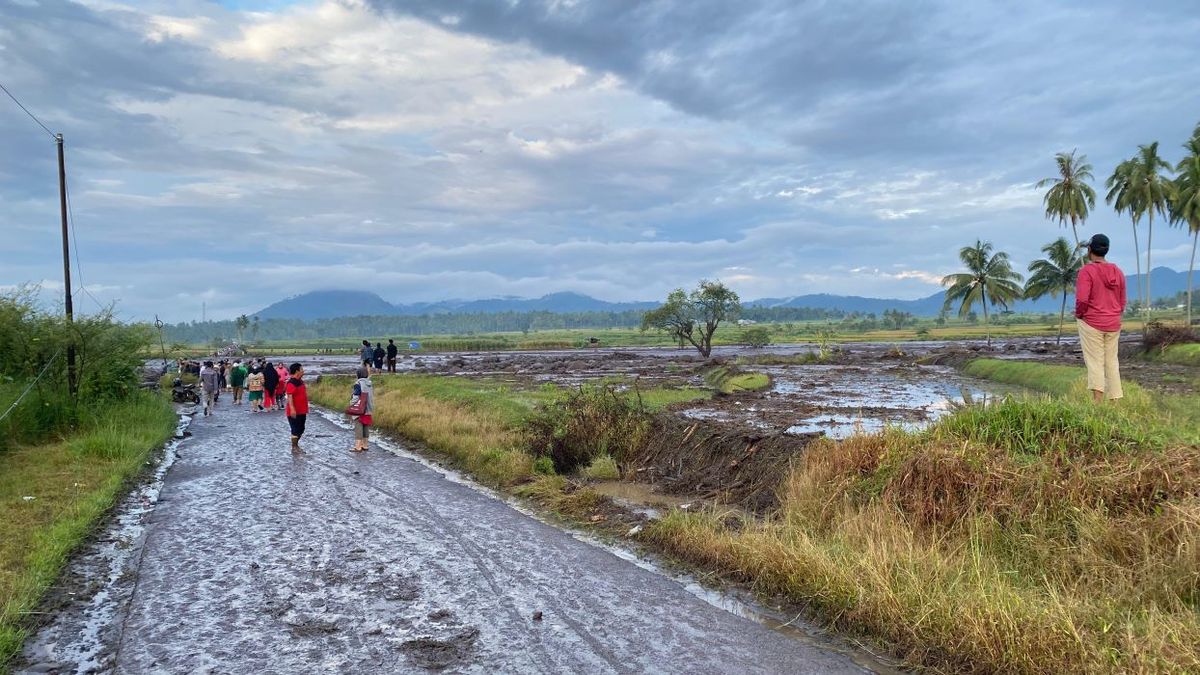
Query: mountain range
(337,303)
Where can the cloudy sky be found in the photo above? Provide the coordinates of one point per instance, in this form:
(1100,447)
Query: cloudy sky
(233,153)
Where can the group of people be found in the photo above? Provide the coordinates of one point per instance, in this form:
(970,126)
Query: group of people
(374,356)
(270,386)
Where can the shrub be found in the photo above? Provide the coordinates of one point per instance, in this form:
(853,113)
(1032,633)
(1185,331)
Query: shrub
(585,423)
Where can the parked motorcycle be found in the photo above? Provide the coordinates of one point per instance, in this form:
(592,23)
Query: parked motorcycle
(184,393)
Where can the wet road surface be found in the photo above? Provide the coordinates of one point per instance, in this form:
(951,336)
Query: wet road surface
(258,561)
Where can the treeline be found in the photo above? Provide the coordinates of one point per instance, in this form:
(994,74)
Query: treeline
(197,332)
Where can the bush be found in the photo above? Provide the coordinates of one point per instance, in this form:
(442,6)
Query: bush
(1158,336)
(585,423)
(756,337)
(603,467)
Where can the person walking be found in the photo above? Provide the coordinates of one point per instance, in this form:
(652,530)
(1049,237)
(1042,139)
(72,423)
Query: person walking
(237,380)
(222,380)
(378,356)
(391,356)
(363,390)
(208,380)
(254,383)
(281,388)
(297,404)
(366,355)
(1099,302)
(270,384)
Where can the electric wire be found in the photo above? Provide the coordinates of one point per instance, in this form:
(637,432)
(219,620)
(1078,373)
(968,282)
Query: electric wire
(29,387)
(75,244)
(31,115)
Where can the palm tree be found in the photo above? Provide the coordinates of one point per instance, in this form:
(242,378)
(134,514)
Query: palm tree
(1071,197)
(241,323)
(989,278)
(1137,186)
(1185,203)
(1055,274)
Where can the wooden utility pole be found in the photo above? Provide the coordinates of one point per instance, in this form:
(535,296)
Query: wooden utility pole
(72,385)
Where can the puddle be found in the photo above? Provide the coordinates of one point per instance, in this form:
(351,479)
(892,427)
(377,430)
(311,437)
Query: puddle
(639,497)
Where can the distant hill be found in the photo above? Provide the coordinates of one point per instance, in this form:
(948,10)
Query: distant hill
(331,304)
(327,305)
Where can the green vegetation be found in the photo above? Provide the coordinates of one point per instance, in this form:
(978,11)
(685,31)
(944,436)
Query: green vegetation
(989,279)
(1055,275)
(1070,197)
(1042,534)
(63,461)
(694,317)
(1185,204)
(1188,355)
(729,380)
(1138,187)
(603,467)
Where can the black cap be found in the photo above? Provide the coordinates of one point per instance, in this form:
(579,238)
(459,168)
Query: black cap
(1098,244)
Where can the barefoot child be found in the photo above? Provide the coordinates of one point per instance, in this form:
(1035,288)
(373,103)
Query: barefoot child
(297,404)
(362,423)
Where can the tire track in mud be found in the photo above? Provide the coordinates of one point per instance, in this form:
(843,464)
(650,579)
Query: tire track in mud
(485,570)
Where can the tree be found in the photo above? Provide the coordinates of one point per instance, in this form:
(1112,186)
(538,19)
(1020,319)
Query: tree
(1138,187)
(1185,203)
(989,278)
(1055,274)
(254,329)
(242,322)
(897,319)
(694,317)
(1070,197)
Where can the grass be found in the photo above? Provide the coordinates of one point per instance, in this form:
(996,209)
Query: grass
(53,494)
(1187,355)
(730,380)
(1041,534)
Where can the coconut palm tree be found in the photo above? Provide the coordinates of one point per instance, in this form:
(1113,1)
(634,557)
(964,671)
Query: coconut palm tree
(1055,274)
(1070,198)
(1137,186)
(989,278)
(1185,203)
(242,322)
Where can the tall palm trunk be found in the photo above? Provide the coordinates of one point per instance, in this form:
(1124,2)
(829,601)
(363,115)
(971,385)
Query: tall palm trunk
(1062,316)
(1137,260)
(1191,268)
(1149,238)
(986,326)
(1075,231)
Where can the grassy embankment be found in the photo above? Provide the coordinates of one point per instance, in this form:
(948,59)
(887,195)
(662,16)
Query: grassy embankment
(730,380)
(1041,534)
(54,492)
(1185,354)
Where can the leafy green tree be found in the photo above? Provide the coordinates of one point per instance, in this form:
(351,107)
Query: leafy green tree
(989,278)
(254,329)
(1070,197)
(1138,187)
(694,317)
(1185,203)
(1054,275)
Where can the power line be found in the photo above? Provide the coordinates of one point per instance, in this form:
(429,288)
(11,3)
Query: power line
(31,115)
(75,245)
(29,387)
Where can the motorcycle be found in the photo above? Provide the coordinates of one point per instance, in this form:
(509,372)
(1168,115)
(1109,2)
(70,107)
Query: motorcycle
(184,393)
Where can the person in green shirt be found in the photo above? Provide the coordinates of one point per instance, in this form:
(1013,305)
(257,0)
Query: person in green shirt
(237,380)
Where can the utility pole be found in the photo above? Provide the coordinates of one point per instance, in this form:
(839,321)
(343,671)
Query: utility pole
(72,385)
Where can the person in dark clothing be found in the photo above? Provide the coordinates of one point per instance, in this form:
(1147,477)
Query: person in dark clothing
(391,356)
(270,385)
(379,354)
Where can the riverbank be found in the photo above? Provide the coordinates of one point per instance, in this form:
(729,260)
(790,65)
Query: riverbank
(54,493)
(1039,534)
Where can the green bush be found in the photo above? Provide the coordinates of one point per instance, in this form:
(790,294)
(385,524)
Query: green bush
(584,423)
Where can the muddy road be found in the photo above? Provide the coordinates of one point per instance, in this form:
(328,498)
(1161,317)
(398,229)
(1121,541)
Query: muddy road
(253,560)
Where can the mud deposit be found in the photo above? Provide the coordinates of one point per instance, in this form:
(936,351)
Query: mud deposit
(255,561)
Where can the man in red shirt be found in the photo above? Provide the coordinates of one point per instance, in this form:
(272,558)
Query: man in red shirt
(1099,303)
(297,404)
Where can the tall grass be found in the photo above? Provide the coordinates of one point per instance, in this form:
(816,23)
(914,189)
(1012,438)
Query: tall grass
(52,494)
(1037,535)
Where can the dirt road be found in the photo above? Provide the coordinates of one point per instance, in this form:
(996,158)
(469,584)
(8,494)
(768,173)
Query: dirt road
(256,561)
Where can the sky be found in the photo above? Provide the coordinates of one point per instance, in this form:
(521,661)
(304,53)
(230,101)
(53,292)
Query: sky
(224,155)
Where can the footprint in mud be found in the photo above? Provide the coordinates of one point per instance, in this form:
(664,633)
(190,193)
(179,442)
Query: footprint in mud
(435,654)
